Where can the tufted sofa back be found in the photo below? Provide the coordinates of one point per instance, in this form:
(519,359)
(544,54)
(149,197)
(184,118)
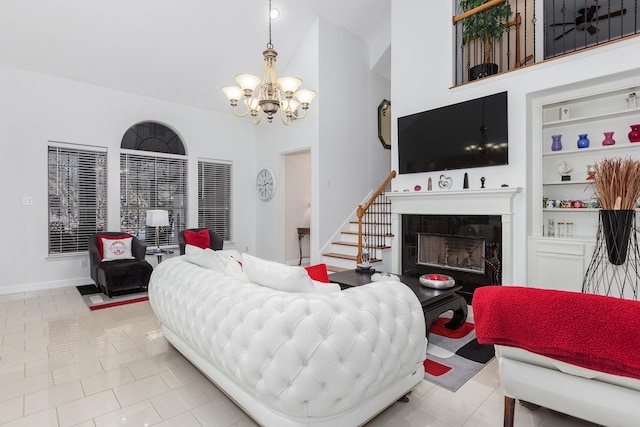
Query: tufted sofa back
(303,354)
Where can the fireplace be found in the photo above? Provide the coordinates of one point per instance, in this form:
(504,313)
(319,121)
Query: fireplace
(473,214)
(465,247)
(461,253)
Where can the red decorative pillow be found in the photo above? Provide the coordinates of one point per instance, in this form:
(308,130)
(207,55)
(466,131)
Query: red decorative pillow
(101,236)
(201,238)
(318,272)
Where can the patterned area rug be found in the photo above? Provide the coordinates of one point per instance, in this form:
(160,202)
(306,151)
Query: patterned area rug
(96,300)
(454,356)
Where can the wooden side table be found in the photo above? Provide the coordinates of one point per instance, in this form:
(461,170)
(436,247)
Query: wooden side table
(302,231)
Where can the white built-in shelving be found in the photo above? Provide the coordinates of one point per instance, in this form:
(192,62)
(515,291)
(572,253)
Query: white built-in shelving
(563,259)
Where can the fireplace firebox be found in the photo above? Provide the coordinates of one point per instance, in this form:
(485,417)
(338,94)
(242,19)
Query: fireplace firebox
(466,247)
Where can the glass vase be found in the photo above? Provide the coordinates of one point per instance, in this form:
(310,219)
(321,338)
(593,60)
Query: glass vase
(634,135)
(583,141)
(556,142)
(608,139)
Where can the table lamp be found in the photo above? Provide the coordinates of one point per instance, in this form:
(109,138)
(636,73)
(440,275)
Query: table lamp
(157,219)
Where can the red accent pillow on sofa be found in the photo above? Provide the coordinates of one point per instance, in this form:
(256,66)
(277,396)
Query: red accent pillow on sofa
(115,237)
(318,272)
(201,238)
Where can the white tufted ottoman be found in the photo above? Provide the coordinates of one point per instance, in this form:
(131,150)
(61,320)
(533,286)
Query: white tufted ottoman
(294,359)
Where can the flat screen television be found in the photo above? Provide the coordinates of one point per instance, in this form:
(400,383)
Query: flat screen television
(469,134)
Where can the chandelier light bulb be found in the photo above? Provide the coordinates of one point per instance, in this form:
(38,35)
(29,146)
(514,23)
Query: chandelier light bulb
(253,104)
(290,105)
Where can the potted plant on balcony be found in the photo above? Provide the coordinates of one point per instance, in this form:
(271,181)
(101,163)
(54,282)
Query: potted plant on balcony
(485,26)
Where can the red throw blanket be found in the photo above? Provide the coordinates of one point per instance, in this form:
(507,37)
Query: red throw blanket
(592,331)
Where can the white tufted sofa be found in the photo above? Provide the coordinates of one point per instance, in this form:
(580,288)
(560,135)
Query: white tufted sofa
(294,359)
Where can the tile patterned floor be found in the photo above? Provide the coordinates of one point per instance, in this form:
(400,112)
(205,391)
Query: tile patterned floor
(63,365)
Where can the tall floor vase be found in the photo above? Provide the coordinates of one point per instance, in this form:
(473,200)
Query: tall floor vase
(614,269)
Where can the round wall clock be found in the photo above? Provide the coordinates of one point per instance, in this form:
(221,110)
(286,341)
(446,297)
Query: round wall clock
(266,184)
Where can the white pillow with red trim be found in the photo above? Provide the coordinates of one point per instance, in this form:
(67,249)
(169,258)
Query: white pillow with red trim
(113,249)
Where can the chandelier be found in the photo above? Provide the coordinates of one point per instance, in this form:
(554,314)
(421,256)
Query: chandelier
(271,94)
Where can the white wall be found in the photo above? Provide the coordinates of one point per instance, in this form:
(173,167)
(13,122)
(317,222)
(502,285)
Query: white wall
(36,108)
(353,162)
(421,70)
(347,160)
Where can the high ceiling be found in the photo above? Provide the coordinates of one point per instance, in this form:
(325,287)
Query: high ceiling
(178,50)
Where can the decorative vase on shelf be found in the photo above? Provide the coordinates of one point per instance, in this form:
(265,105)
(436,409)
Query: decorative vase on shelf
(556,142)
(634,135)
(583,141)
(608,139)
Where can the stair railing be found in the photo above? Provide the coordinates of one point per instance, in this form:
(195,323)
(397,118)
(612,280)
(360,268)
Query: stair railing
(374,220)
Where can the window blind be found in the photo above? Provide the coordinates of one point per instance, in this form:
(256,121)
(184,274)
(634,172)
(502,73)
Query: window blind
(77,197)
(214,197)
(153,182)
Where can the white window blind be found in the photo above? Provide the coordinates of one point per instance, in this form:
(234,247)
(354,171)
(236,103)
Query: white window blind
(214,197)
(153,182)
(77,198)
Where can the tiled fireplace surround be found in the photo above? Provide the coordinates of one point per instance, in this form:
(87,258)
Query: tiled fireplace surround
(483,212)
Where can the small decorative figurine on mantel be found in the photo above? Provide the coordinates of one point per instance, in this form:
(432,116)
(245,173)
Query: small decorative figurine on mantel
(445,182)
(632,101)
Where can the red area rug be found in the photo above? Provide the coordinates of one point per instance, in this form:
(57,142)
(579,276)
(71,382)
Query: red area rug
(454,356)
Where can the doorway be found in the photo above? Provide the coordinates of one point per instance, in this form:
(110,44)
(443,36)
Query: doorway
(297,206)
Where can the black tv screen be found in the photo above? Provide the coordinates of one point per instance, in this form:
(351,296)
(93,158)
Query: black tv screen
(469,134)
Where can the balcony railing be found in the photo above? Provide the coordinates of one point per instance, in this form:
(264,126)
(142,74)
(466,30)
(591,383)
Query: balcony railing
(502,35)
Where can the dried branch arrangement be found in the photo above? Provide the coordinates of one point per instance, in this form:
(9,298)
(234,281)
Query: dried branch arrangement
(617,183)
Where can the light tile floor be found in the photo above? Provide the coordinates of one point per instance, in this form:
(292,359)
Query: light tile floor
(63,365)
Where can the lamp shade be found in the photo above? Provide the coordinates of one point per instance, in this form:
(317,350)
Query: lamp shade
(248,81)
(157,218)
(232,92)
(305,96)
(289,84)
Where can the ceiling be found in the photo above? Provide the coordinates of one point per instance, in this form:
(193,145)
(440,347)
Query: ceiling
(177,50)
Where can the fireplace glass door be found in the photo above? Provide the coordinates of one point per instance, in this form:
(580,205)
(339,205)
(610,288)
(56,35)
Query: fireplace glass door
(461,253)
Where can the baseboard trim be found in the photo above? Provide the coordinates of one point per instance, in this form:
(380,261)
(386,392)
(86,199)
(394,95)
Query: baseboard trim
(41,286)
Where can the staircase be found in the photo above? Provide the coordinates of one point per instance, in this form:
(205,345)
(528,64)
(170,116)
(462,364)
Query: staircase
(370,227)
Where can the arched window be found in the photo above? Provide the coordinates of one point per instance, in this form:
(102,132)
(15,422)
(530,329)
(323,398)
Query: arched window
(150,136)
(153,175)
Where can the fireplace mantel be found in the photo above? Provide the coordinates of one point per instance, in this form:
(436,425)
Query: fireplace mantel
(486,201)
(489,201)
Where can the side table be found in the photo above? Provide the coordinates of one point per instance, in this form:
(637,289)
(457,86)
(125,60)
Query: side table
(159,253)
(302,231)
